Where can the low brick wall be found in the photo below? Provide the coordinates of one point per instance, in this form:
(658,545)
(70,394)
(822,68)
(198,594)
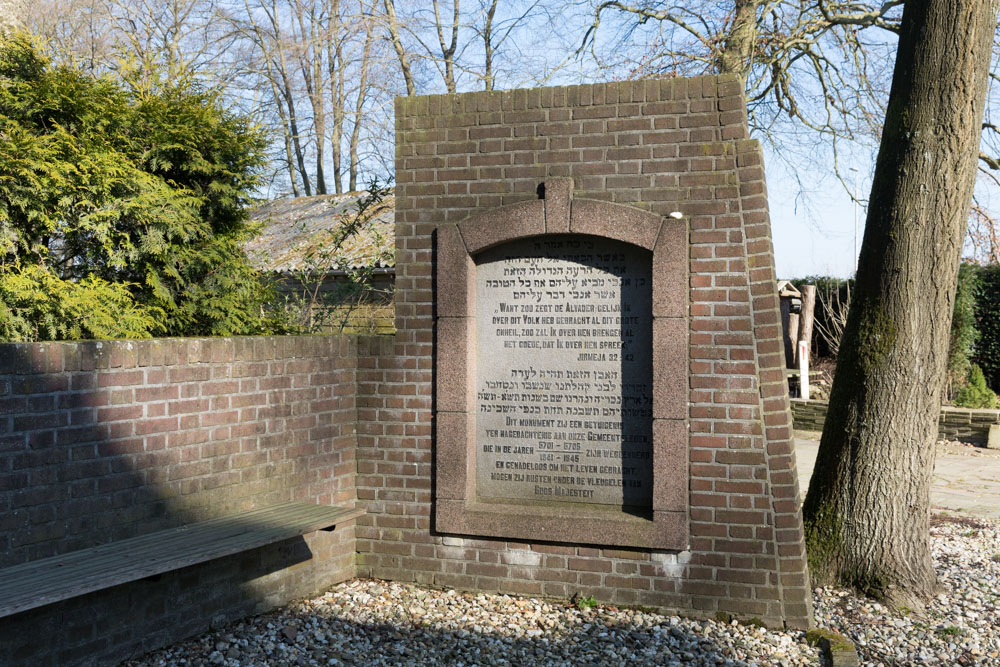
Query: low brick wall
(962,424)
(105,440)
(808,415)
(967,425)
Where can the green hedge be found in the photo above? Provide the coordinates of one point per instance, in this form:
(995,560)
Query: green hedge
(987,348)
(964,332)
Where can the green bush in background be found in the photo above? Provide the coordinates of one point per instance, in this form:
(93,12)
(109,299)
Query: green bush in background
(35,304)
(975,393)
(123,205)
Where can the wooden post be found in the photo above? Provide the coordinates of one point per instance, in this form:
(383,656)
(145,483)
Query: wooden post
(793,337)
(786,337)
(806,321)
(789,320)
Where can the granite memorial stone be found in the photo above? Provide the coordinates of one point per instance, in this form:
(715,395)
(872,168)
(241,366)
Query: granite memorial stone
(564,376)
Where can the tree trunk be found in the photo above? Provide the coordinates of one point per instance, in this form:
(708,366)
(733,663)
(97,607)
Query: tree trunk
(337,100)
(359,104)
(397,45)
(310,57)
(488,46)
(448,50)
(287,137)
(335,68)
(867,511)
(293,127)
(737,55)
(273,48)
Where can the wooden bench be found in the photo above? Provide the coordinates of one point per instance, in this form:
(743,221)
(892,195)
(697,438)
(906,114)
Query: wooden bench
(69,575)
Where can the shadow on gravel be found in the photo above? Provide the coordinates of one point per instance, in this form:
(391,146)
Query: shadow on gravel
(315,639)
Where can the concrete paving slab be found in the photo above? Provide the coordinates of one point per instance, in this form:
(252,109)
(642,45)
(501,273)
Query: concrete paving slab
(966,478)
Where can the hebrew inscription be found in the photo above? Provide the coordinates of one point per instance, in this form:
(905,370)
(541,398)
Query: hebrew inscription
(564,373)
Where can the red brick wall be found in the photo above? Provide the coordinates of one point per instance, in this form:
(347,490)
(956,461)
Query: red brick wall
(671,145)
(105,440)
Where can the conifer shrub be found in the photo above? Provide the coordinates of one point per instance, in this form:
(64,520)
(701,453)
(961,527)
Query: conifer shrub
(123,205)
(975,393)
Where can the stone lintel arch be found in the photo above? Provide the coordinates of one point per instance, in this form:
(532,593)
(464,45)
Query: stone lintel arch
(458,509)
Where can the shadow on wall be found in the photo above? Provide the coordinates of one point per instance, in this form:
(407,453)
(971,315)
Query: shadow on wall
(101,441)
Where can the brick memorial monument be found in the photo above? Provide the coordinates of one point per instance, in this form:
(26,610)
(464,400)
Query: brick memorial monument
(585,292)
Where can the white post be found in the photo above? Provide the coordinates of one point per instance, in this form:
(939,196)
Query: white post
(804,369)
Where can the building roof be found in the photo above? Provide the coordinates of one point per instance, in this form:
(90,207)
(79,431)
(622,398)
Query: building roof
(786,288)
(296,230)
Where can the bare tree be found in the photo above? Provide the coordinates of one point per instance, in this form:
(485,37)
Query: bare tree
(814,77)
(983,236)
(368,17)
(77,30)
(308,30)
(447,48)
(154,42)
(261,26)
(395,35)
(835,308)
(320,74)
(489,43)
(816,74)
(181,38)
(412,35)
(497,34)
(315,58)
(462,43)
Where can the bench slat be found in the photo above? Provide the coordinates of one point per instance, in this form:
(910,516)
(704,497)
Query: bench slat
(61,577)
(219,529)
(97,561)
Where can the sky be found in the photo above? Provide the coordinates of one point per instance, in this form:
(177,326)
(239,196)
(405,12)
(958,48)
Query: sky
(813,232)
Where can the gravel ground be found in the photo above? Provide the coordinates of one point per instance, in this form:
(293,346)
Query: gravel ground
(961,626)
(960,448)
(369,622)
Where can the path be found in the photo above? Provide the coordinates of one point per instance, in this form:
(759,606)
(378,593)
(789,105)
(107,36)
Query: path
(966,478)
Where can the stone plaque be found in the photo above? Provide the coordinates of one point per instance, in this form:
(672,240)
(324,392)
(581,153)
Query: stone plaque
(564,372)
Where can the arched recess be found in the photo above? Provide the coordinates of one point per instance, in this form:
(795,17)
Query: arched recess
(458,508)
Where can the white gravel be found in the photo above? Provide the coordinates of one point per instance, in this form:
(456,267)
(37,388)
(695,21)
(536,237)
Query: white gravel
(960,626)
(370,622)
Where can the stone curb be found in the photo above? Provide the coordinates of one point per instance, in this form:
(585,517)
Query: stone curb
(835,649)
